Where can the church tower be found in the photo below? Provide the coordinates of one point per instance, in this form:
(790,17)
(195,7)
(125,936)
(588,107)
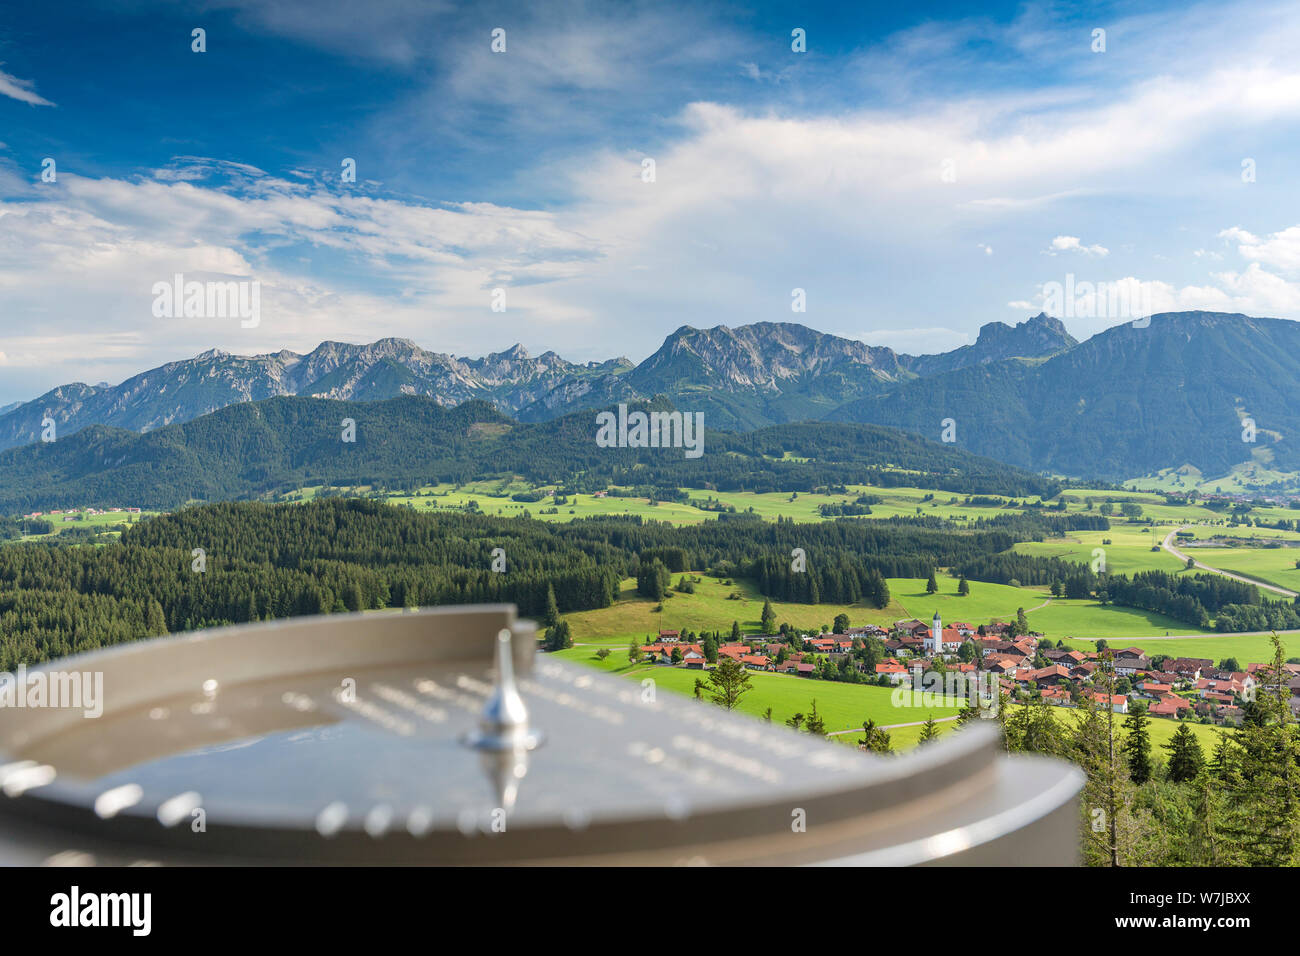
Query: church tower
(935,644)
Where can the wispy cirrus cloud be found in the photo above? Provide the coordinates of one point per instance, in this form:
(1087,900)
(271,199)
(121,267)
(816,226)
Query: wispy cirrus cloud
(22,90)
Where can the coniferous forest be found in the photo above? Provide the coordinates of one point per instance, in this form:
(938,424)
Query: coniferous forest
(238,562)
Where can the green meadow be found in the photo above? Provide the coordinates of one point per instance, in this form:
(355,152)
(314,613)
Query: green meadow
(1271,565)
(104,524)
(1245,648)
(841,706)
(715,605)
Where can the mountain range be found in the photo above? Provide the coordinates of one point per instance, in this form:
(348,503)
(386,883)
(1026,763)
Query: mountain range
(254,449)
(1128,401)
(751,376)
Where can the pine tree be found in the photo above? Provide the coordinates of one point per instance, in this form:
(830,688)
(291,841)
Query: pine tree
(558,637)
(155,620)
(815,725)
(1202,831)
(877,740)
(1185,756)
(1108,790)
(552,613)
(730,681)
(1261,780)
(931,585)
(929,731)
(1137,745)
(768,619)
(710,647)
(963,586)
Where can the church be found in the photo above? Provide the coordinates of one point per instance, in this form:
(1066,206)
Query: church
(940,641)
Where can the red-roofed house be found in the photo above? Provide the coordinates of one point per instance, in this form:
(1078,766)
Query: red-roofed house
(1045,676)
(1117,702)
(1170,706)
(893,670)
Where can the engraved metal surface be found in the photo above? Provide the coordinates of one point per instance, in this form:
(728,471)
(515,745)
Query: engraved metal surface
(342,759)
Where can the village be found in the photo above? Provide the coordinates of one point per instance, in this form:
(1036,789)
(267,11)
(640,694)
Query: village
(1026,666)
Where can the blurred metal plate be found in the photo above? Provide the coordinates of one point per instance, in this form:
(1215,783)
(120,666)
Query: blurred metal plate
(343,739)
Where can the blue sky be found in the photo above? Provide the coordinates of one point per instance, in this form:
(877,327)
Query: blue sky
(918,173)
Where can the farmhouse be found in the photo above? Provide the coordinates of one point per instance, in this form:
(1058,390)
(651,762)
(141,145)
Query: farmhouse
(1189,667)
(895,671)
(1129,666)
(1051,675)
(1170,705)
(1117,702)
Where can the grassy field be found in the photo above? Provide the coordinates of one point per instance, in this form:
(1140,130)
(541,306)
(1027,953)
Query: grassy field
(105,523)
(1129,549)
(845,706)
(1241,478)
(1217,647)
(712,607)
(841,706)
(1272,565)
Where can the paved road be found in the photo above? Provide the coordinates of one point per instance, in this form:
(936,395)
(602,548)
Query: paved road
(912,723)
(1168,545)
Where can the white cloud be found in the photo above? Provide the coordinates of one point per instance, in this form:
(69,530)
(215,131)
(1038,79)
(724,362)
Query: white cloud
(21,90)
(1072,244)
(1099,303)
(1280,250)
(84,262)
(748,203)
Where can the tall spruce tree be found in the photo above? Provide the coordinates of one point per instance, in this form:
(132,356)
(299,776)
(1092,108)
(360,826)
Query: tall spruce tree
(1137,744)
(1261,777)
(550,616)
(1185,756)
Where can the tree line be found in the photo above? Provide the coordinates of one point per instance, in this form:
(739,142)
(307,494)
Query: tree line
(240,562)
